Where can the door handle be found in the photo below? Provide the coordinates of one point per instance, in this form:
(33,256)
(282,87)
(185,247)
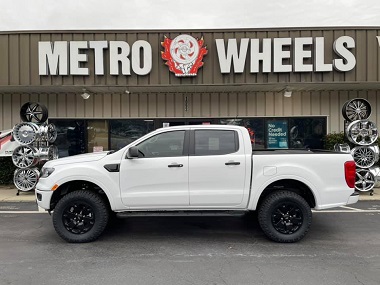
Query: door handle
(175,165)
(232,163)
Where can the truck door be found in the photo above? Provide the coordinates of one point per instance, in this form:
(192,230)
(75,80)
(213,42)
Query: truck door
(159,177)
(217,173)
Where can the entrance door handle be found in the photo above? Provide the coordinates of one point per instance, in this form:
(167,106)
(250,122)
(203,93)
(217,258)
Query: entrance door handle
(232,163)
(175,165)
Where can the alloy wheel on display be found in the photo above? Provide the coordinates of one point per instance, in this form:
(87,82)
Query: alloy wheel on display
(25,156)
(342,147)
(26,133)
(26,179)
(365,180)
(356,109)
(362,132)
(364,156)
(51,134)
(53,152)
(33,112)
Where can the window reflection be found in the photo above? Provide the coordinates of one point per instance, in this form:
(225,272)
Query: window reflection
(123,132)
(70,137)
(255,127)
(307,132)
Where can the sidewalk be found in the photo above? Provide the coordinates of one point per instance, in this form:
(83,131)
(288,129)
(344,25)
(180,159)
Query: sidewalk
(8,193)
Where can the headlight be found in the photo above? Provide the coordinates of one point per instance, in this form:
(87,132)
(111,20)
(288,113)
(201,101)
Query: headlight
(45,172)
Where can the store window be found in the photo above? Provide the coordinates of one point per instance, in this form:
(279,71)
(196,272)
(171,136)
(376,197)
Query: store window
(81,136)
(71,137)
(97,135)
(296,132)
(123,132)
(307,132)
(255,127)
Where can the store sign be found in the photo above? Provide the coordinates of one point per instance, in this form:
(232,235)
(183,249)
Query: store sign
(184,55)
(285,55)
(71,58)
(277,132)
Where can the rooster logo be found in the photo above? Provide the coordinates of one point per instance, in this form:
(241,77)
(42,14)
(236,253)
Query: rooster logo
(184,54)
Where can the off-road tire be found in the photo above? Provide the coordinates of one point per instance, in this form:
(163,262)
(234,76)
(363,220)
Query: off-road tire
(93,204)
(270,212)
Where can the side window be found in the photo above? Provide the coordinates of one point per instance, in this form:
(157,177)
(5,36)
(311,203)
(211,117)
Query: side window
(215,142)
(163,145)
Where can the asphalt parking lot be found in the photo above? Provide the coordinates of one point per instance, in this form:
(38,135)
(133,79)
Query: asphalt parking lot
(342,247)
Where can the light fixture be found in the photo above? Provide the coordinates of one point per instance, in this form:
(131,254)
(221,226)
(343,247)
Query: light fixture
(85,95)
(287,92)
(127,91)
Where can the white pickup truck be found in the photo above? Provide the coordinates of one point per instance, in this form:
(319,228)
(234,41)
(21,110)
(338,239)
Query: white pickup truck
(195,170)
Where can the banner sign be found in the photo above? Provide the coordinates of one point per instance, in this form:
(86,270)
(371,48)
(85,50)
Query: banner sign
(277,132)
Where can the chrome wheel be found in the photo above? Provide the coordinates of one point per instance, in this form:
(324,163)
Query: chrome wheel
(78,218)
(26,133)
(53,152)
(25,156)
(362,132)
(342,147)
(26,179)
(365,157)
(365,180)
(356,109)
(51,134)
(33,112)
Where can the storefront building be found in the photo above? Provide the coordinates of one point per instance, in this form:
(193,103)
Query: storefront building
(287,86)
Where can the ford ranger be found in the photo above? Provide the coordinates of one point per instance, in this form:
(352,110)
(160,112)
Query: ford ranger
(195,170)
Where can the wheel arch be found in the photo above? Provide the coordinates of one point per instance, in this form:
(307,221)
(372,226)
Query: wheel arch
(292,185)
(75,185)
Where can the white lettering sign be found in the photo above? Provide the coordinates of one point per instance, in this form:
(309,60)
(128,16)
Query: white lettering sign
(286,55)
(54,58)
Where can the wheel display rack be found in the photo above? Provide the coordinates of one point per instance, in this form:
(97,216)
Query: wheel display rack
(35,137)
(363,134)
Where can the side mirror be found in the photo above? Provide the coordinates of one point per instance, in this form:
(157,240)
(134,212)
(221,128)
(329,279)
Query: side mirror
(133,152)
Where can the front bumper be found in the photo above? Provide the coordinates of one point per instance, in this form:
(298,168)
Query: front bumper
(354,198)
(43,198)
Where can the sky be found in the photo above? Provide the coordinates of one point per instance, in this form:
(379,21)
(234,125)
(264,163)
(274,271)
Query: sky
(16,15)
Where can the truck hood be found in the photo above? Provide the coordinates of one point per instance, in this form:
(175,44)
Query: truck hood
(80,158)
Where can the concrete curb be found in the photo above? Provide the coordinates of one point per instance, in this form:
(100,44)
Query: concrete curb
(8,193)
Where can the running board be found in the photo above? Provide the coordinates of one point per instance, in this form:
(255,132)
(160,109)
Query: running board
(128,214)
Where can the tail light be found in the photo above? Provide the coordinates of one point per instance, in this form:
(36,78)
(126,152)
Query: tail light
(350,173)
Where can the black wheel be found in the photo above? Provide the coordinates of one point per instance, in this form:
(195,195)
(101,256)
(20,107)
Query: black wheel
(80,216)
(284,216)
(33,112)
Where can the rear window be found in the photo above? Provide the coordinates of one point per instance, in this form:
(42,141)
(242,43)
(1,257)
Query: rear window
(215,142)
